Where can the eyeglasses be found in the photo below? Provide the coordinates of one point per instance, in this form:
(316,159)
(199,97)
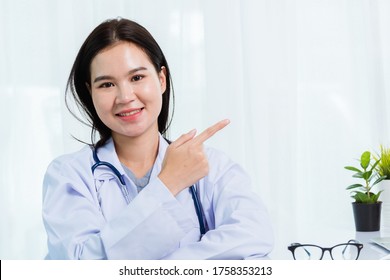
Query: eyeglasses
(344,251)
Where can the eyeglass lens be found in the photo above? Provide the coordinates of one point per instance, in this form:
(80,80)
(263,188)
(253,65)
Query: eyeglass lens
(308,253)
(345,252)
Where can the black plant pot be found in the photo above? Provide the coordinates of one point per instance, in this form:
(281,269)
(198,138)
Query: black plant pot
(367,216)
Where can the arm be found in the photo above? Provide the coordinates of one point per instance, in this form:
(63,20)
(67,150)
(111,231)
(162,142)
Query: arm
(77,229)
(242,228)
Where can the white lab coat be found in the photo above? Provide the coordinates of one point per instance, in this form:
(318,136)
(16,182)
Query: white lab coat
(86,216)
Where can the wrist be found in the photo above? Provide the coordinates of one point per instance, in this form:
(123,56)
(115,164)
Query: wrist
(169,184)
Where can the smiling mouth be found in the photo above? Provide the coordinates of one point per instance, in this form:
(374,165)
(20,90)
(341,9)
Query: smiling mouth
(131,113)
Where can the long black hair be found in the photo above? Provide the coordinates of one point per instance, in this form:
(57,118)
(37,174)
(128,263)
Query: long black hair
(103,36)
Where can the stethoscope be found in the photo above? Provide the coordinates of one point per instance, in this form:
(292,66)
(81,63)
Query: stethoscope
(194,193)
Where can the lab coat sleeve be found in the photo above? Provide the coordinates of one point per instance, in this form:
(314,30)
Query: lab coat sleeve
(158,226)
(147,228)
(242,228)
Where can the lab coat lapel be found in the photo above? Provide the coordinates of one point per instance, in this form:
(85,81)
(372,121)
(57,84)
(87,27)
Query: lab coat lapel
(162,148)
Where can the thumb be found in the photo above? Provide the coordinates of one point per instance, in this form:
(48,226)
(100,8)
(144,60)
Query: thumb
(184,138)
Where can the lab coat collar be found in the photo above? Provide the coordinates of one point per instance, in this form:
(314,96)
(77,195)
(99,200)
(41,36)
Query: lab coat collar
(162,148)
(107,153)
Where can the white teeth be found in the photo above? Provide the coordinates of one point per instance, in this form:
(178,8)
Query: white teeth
(129,113)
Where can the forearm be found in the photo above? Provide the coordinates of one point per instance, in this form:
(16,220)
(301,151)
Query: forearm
(148,228)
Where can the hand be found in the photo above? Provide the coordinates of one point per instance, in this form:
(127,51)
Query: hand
(185,162)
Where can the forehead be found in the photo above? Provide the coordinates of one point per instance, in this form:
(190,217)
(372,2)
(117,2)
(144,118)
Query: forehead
(122,53)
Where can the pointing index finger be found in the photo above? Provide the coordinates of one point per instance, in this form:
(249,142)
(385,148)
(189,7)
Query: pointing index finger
(208,132)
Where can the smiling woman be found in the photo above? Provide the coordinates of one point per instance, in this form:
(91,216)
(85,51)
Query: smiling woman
(134,194)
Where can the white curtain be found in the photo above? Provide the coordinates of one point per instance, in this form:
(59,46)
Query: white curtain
(304,82)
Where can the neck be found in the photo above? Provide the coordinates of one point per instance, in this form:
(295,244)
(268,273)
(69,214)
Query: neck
(137,153)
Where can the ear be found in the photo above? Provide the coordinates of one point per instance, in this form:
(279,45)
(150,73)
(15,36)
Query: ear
(162,75)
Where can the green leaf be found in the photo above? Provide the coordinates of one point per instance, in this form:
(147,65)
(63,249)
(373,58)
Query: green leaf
(357,198)
(354,186)
(353,169)
(375,197)
(358,175)
(365,160)
(380,179)
(361,197)
(375,164)
(367,175)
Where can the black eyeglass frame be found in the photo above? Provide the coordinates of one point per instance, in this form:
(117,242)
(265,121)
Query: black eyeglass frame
(352,242)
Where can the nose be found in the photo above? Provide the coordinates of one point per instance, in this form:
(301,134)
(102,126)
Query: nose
(125,94)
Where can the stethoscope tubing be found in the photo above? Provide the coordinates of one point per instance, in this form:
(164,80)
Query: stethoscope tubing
(198,209)
(119,176)
(194,193)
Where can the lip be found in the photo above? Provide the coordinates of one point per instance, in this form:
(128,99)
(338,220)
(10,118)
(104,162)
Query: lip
(130,114)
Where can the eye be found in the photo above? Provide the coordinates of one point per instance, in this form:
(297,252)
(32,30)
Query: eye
(106,85)
(137,78)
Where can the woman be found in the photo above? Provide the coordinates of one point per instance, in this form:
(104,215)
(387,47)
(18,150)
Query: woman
(128,196)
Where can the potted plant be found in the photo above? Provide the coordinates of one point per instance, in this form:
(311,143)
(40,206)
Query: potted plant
(383,166)
(366,207)
(383,169)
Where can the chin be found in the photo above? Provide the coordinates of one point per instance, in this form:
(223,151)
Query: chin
(134,133)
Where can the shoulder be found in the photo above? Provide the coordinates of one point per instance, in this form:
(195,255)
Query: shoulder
(217,157)
(68,173)
(216,154)
(221,165)
(75,159)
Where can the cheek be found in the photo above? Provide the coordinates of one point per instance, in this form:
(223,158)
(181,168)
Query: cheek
(152,94)
(102,104)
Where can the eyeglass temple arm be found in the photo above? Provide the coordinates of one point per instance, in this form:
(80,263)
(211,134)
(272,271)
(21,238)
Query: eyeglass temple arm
(349,241)
(299,244)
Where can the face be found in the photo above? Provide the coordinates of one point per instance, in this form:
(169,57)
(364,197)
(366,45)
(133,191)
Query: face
(127,90)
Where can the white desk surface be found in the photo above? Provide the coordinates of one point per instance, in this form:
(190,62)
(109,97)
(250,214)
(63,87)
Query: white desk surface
(328,236)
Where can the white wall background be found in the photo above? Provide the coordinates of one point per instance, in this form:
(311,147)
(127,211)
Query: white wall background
(304,82)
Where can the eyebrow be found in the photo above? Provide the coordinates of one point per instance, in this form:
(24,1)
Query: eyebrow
(107,77)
